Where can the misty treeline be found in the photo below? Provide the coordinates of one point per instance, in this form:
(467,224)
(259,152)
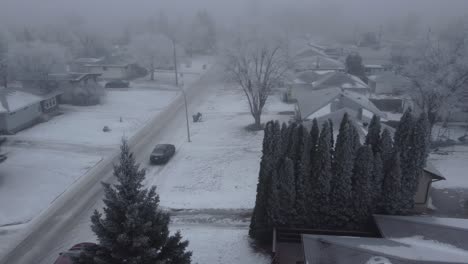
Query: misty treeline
(33,51)
(309,180)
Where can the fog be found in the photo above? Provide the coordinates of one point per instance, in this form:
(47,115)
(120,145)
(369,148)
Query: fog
(115,12)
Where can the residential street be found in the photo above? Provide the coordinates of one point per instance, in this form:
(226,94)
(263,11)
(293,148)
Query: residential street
(52,231)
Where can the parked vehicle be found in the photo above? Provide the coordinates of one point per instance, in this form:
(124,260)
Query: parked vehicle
(162,153)
(67,256)
(118,84)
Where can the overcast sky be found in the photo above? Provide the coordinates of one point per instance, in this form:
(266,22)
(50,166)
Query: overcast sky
(115,11)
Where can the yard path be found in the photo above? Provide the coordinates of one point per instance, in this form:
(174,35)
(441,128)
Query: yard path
(64,221)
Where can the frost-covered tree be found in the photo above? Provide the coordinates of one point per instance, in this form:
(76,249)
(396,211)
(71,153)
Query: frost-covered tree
(257,65)
(391,189)
(35,60)
(373,134)
(438,70)
(340,184)
(201,37)
(152,51)
(132,228)
(362,184)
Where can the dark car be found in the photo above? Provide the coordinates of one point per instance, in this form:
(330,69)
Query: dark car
(162,153)
(118,84)
(75,251)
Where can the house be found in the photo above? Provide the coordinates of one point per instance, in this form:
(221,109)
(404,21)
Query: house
(318,62)
(344,81)
(110,71)
(18,110)
(396,239)
(317,103)
(388,83)
(78,65)
(68,87)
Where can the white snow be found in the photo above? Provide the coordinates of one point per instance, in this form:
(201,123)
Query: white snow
(17,100)
(83,125)
(32,178)
(453,165)
(417,248)
(219,168)
(220,245)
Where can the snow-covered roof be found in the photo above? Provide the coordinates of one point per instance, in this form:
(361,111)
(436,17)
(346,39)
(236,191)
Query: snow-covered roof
(409,249)
(310,76)
(340,80)
(452,223)
(13,100)
(318,62)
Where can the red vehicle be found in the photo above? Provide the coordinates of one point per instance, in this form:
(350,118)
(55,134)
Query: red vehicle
(67,256)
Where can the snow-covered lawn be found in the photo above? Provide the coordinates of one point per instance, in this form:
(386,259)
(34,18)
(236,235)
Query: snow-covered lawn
(83,125)
(30,179)
(220,245)
(219,168)
(453,164)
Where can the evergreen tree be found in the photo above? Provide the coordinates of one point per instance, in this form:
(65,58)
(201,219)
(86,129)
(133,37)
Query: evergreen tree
(404,144)
(391,189)
(258,221)
(320,185)
(332,138)
(132,229)
(302,173)
(362,179)
(341,189)
(355,67)
(286,193)
(373,134)
(421,141)
(403,130)
(377,182)
(386,146)
(354,137)
(314,136)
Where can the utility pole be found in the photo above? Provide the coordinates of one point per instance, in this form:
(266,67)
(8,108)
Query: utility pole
(181,88)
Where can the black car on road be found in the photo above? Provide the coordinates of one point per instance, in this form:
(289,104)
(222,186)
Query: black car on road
(118,84)
(162,153)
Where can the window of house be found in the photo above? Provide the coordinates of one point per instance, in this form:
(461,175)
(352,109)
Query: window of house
(104,68)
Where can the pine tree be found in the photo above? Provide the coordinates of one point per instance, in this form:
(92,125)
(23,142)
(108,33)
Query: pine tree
(386,146)
(341,195)
(377,182)
(332,138)
(314,136)
(391,189)
(362,179)
(259,221)
(354,137)
(373,134)
(403,130)
(302,173)
(286,193)
(320,185)
(132,229)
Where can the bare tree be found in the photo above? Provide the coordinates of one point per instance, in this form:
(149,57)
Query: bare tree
(257,66)
(36,59)
(438,71)
(152,51)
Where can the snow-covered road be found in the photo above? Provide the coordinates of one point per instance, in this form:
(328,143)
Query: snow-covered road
(58,226)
